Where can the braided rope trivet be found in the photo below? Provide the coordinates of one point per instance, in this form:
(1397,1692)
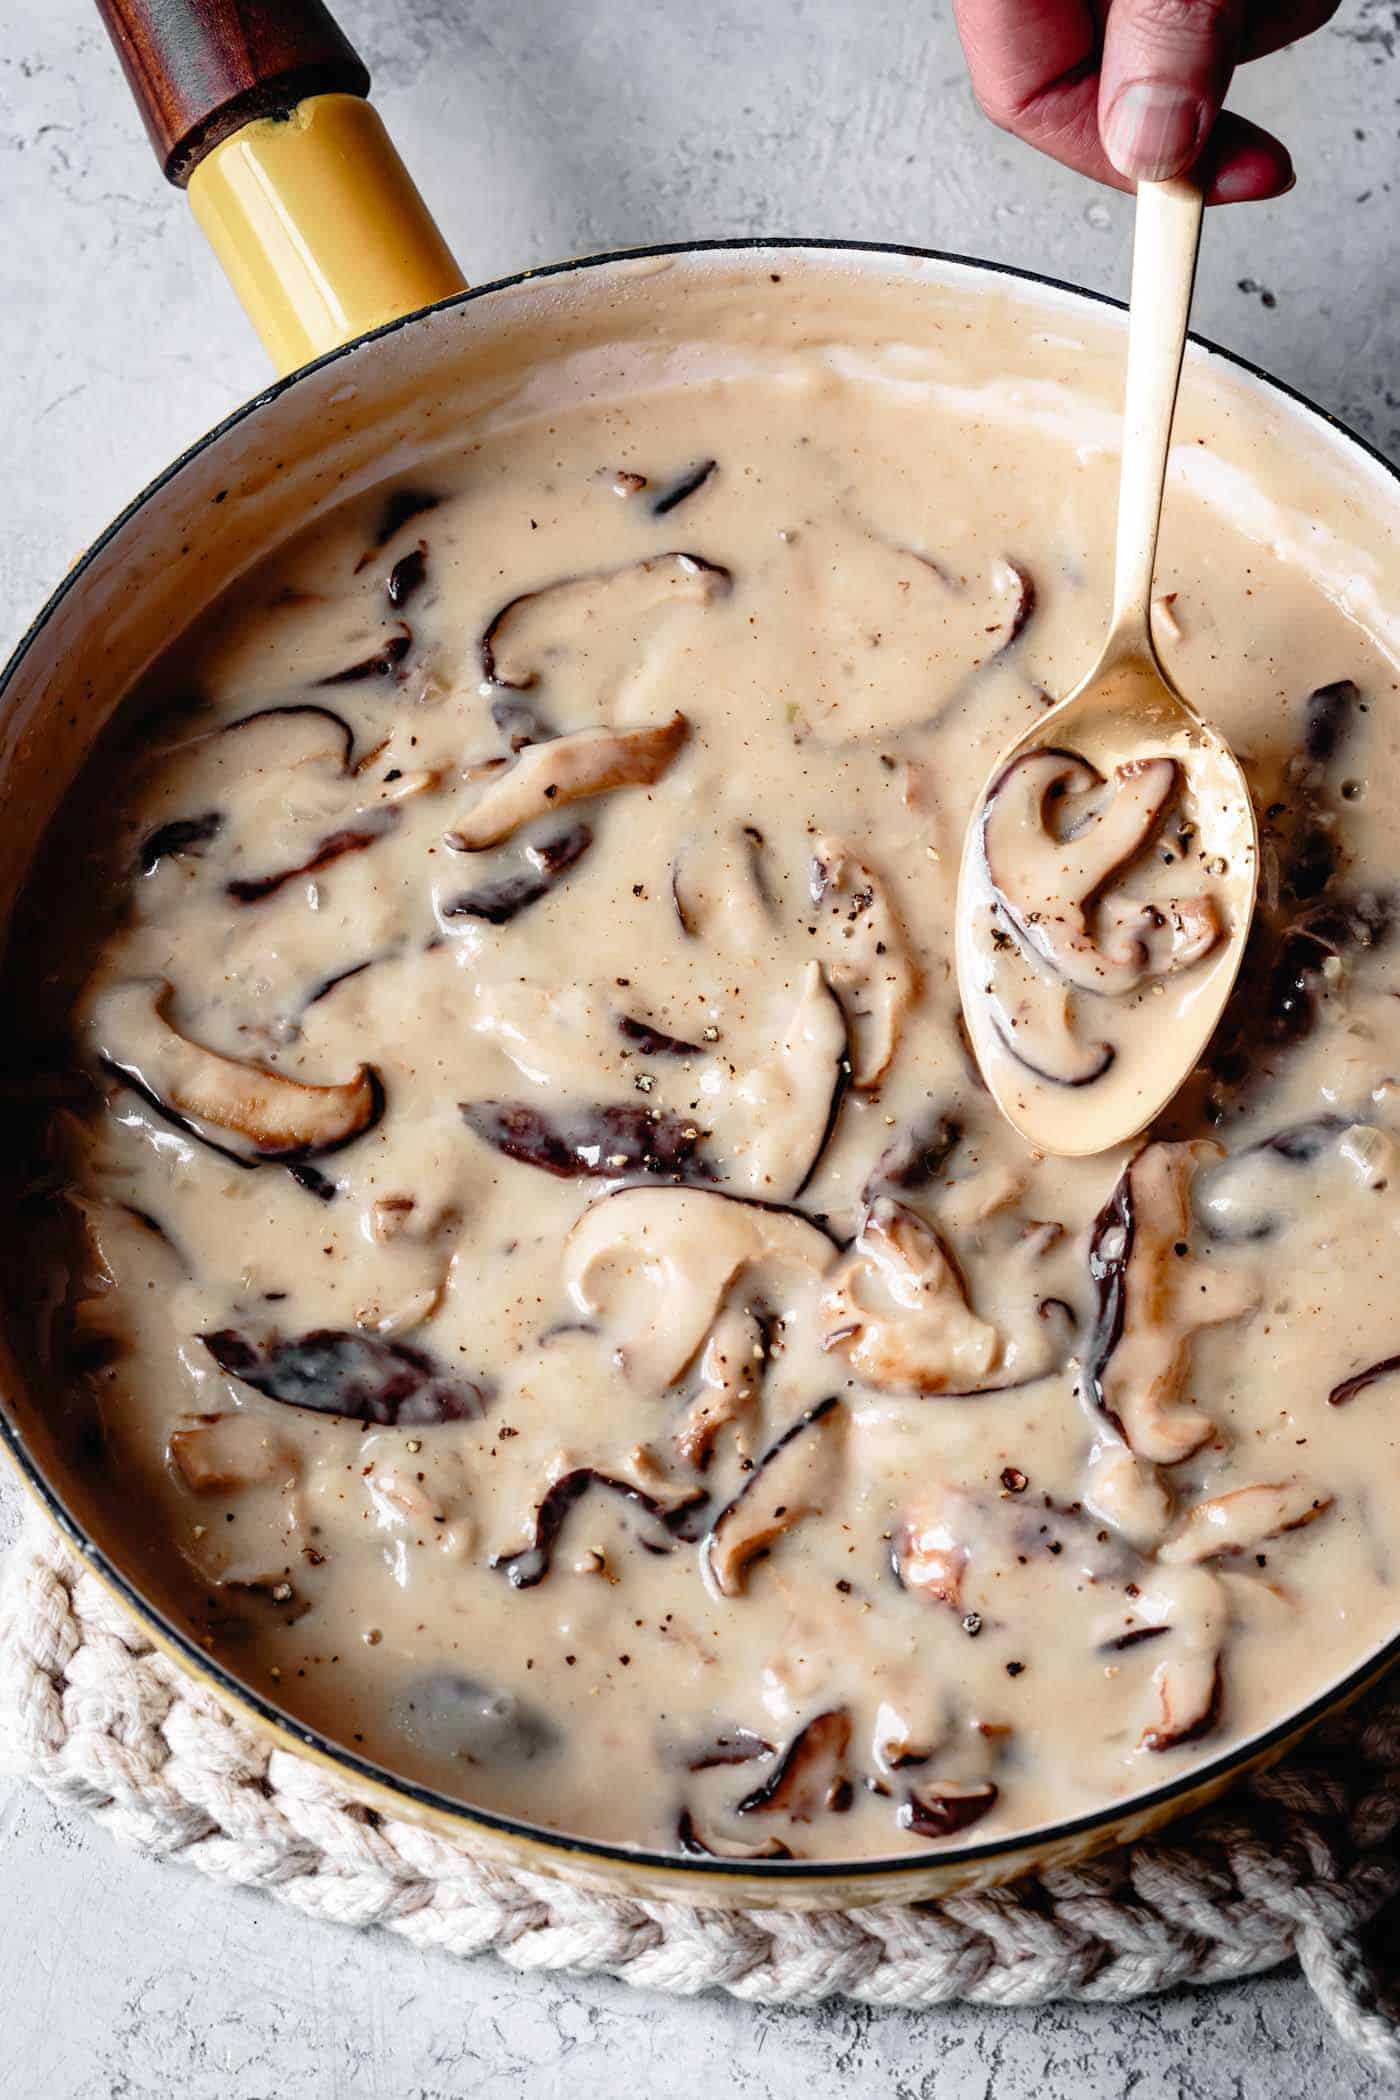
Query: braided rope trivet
(1298,1863)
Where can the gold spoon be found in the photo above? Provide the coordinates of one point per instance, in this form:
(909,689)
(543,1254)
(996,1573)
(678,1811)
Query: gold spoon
(1125,1056)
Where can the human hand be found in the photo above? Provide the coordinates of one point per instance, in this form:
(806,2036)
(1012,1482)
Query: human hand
(1130,90)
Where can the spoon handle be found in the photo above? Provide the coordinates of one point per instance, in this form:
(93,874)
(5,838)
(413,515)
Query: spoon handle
(1166,237)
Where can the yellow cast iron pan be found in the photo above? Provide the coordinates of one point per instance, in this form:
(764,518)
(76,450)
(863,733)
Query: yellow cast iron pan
(258,110)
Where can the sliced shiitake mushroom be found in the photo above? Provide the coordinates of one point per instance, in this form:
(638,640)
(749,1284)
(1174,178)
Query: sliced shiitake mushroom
(1250,1195)
(653,1042)
(521,721)
(221,1454)
(794,1479)
(810,1776)
(792,1099)
(364,1376)
(1152,1298)
(868,960)
(1032,1009)
(1189,1692)
(381,662)
(896,1309)
(729,1379)
(940,1808)
(1359,1380)
(689,1840)
(721,890)
(1191,1604)
(1297,977)
(1128,1493)
(915,1157)
(546,865)
(517,642)
(611,1140)
(271,742)
(1054,835)
(1328,719)
(929,1551)
(325,986)
(655,1266)
(682,488)
(398,507)
(912,1720)
(732,1745)
(1238,1521)
(257,1114)
(549,776)
(529,1564)
(903,633)
(369,826)
(274,739)
(181,836)
(1022,593)
(407,576)
(1155,940)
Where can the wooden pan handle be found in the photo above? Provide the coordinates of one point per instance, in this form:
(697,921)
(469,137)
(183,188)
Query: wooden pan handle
(202,69)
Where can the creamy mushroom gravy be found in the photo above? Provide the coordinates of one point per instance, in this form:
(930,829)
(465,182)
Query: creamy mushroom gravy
(542,1260)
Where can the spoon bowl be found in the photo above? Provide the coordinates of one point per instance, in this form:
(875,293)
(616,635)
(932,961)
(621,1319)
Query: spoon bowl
(1088,992)
(1127,711)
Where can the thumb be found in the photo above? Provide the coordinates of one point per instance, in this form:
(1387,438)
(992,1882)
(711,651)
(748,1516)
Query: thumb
(1166,68)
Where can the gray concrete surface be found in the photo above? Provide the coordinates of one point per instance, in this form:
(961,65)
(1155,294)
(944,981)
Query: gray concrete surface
(539,130)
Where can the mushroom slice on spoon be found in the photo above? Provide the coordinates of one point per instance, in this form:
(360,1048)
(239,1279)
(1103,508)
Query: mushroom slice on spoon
(247,1112)
(1047,876)
(1031,1012)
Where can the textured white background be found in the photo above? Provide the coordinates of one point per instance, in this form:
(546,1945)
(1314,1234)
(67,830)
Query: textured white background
(539,130)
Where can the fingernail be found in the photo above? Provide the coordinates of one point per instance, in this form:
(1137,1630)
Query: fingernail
(1152,130)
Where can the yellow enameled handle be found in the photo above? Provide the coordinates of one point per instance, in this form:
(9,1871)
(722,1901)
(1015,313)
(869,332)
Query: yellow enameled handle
(320,228)
(257,107)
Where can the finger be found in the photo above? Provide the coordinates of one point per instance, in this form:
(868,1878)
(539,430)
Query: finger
(1046,92)
(1268,29)
(1025,55)
(1244,165)
(1166,67)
